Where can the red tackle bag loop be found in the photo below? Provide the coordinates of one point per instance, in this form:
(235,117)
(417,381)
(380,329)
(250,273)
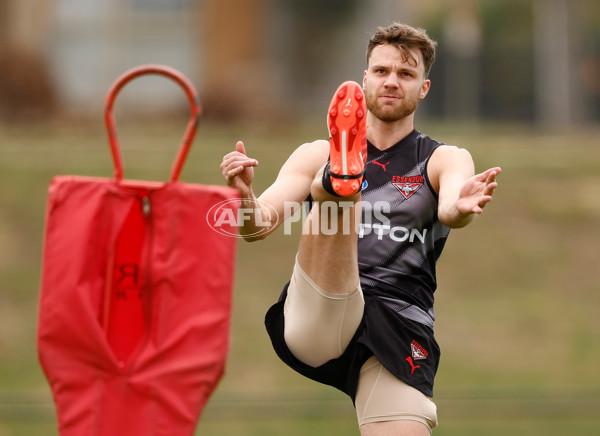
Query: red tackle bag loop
(190,132)
(135,301)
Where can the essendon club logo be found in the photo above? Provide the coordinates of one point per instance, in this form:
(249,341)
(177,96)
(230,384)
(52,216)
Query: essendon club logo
(418,352)
(407,185)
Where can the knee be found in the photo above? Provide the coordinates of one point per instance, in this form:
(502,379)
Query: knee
(312,348)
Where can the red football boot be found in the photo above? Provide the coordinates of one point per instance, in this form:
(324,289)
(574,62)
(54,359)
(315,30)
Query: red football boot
(347,122)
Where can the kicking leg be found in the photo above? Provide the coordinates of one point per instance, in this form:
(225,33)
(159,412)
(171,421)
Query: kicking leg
(324,304)
(328,251)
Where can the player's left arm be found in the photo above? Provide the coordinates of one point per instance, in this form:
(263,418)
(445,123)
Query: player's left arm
(462,193)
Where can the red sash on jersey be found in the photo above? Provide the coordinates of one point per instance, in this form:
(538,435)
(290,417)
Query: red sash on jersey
(135,305)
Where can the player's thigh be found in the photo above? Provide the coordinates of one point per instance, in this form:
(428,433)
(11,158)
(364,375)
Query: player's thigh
(319,325)
(386,405)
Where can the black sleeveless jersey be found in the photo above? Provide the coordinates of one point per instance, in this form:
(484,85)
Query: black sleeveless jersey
(400,237)
(399,243)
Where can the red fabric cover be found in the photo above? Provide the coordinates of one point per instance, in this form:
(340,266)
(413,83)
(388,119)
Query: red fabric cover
(135,304)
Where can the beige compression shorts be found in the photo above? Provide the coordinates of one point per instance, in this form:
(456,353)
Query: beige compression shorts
(319,326)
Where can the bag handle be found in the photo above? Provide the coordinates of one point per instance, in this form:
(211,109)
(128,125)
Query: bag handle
(190,132)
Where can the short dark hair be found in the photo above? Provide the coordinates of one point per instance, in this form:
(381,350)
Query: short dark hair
(405,38)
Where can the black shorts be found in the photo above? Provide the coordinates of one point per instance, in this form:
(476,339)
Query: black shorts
(406,348)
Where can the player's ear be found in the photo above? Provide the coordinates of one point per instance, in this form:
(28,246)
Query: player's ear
(425,88)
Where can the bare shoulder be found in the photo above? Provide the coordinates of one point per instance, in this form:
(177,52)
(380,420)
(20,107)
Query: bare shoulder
(317,149)
(309,157)
(449,159)
(451,152)
(297,174)
(448,156)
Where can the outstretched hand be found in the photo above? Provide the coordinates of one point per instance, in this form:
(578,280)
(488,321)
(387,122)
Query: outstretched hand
(238,170)
(477,191)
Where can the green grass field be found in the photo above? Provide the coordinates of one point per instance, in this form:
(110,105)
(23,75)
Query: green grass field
(516,310)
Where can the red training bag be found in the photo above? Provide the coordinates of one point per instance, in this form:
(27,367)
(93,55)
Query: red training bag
(135,306)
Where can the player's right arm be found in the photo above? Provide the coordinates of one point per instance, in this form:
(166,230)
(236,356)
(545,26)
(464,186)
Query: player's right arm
(276,203)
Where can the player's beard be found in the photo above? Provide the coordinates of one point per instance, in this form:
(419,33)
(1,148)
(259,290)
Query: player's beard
(407,106)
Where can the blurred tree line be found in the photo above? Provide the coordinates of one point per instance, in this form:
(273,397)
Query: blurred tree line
(518,60)
(532,60)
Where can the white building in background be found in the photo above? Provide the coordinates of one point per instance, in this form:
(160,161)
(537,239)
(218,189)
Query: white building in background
(93,42)
(236,52)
